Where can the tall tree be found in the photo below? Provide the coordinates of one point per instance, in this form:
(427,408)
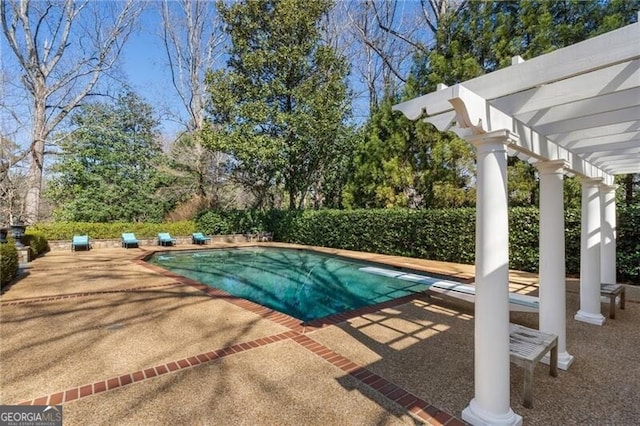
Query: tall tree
(281,105)
(62,49)
(200,174)
(193,40)
(110,165)
(400,163)
(383,35)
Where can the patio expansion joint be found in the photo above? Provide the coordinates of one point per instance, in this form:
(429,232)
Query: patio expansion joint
(413,404)
(94,266)
(42,299)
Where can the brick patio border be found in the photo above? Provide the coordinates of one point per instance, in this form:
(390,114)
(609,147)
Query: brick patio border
(407,400)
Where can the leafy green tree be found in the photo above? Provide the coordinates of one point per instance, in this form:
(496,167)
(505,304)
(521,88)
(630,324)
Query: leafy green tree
(13,182)
(629,189)
(109,167)
(280,106)
(400,163)
(60,51)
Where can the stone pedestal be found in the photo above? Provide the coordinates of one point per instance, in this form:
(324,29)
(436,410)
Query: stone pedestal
(24,255)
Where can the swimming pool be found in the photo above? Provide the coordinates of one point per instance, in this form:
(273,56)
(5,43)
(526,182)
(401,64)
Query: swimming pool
(304,284)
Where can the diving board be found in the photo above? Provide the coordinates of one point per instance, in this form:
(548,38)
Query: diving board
(517,302)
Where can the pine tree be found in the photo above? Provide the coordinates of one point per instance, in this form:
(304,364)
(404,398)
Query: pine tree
(484,37)
(400,163)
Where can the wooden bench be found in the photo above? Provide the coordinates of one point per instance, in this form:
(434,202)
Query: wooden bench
(526,348)
(613,291)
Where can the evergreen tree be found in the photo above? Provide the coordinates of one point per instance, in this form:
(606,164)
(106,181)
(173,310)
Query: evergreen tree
(109,165)
(400,163)
(280,106)
(484,36)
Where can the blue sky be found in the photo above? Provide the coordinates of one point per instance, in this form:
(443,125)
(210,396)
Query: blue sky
(144,64)
(144,61)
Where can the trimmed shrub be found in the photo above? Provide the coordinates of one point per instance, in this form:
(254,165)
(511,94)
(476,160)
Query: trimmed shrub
(221,222)
(212,223)
(447,235)
(37,243)
(8,262)
(66,230)
(572,229)
(628,244)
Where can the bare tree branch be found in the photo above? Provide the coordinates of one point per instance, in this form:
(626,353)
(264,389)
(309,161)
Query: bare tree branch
(53,86)
(193,43)
(417,45)
(192,36)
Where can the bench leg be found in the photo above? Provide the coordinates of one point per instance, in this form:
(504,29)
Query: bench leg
(553,362)
(528,386)
(612,306)
(623,297)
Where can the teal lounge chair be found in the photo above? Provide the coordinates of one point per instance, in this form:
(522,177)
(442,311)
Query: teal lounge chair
(199,238)
(80,241)
(164,239)
(129,240)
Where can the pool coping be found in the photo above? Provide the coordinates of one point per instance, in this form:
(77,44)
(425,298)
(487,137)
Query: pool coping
(412,403)
(272,314)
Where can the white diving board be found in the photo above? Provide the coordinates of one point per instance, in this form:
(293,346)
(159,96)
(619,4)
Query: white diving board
(517,302)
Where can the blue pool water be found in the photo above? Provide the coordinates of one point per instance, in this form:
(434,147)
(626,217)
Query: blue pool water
(306,285)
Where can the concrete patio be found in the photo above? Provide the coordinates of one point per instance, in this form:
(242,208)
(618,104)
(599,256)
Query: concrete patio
(117,342)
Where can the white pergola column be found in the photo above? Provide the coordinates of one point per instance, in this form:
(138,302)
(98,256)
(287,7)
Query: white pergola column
(490,405)
(590,254)
(553,308)
(608,271)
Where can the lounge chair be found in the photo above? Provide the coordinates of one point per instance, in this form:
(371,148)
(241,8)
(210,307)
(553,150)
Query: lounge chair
(164,239)
(129,239)
(199,238)
(80,241)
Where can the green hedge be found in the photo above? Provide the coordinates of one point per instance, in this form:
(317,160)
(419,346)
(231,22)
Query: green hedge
(447,235)
(66,230)
(628,244)
(223,222)
(8,262)
(37,243)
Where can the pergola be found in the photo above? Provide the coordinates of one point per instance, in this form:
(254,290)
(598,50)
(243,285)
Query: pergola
(574,111)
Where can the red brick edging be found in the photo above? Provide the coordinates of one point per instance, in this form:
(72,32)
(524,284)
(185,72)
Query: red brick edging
(412,403)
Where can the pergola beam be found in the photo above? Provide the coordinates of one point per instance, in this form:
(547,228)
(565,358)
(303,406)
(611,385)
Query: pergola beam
(581,122)
(609,49)
(474,115)
(602,131)
(582,108)
(598,83)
